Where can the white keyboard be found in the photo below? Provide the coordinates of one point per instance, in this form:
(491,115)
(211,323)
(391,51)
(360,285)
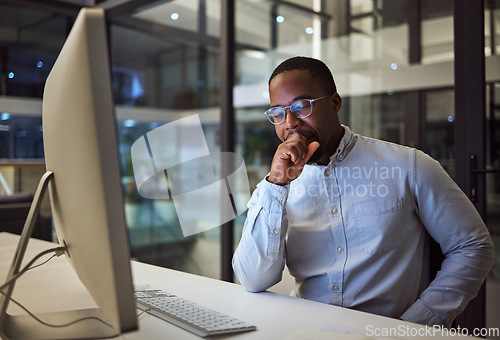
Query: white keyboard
(186,314)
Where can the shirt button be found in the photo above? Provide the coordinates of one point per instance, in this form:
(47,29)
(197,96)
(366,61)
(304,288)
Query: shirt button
(335,210)
(336,287)
(279,198)
(276,231)
(328,172)
(340,249)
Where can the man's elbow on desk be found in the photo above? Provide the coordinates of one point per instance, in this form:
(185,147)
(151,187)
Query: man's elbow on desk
(252,282)
(254,288)
(251,285)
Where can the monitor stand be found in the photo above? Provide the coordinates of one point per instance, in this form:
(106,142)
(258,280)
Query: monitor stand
(25,326)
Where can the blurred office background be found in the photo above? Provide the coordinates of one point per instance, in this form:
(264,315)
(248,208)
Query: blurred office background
(393,61)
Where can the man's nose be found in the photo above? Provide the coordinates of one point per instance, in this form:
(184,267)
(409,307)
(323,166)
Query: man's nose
(291,121)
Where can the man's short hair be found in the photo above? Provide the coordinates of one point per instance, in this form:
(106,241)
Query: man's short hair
(316,68)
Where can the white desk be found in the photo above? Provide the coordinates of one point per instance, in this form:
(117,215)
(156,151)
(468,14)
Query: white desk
(55,286)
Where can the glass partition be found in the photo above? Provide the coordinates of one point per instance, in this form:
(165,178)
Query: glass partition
(380,116)
(437,31)
(492,28)
(165,71)
(493,200)
(29,44)
(440,131)
(21,136)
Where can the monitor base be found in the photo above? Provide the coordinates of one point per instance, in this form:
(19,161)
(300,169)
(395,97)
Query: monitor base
(90,326)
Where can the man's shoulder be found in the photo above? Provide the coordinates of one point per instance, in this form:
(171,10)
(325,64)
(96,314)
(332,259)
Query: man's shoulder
(383,145)
(382,150)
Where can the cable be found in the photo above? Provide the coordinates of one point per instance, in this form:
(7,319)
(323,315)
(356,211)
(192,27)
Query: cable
(41,264)
(52,325)
(58,251)
(143,311)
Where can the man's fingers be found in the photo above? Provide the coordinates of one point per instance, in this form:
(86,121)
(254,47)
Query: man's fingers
(294,151)
(289,161)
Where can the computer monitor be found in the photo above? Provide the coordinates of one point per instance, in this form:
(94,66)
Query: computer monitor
(83,177)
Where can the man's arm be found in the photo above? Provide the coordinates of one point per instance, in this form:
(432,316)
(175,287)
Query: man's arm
(259,259)
(451,219)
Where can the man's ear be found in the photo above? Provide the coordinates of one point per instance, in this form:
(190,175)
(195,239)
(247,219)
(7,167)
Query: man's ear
(336,102)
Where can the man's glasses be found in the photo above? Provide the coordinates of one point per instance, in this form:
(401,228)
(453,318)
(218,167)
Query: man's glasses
(301,109)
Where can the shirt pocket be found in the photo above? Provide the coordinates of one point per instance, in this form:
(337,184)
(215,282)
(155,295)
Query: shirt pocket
(378,224)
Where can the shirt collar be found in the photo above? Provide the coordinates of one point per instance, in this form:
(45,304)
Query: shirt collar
(345,146)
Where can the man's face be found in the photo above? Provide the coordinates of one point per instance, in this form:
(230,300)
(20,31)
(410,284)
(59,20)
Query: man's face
(322,125)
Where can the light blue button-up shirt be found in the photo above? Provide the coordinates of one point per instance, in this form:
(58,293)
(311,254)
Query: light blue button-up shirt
(355,233)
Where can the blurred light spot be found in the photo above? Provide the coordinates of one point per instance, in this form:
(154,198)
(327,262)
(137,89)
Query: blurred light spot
(174,16)
(255,54)
(280,19)
(129,123)
(136,88)
(309,30)
(394,66)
